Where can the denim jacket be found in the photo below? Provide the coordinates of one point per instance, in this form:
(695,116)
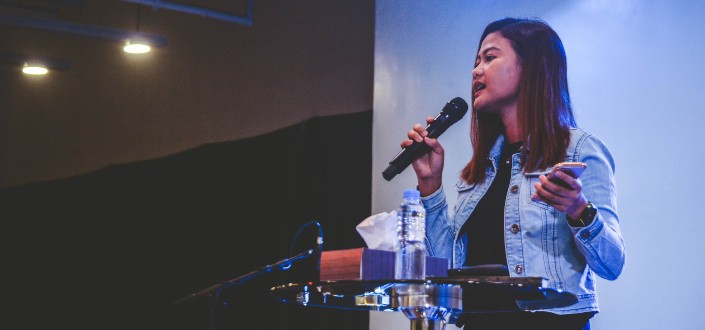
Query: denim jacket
(538,240)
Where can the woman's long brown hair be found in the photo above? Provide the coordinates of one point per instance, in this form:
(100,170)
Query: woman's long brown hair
(545,112)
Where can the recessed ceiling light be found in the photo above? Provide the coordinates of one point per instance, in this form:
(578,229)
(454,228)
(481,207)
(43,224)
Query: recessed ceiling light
(136,47)
(34,69)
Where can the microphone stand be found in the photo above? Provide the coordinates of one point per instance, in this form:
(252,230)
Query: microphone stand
(215,290)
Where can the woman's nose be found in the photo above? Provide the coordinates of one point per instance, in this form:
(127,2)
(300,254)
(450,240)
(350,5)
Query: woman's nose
(477,71)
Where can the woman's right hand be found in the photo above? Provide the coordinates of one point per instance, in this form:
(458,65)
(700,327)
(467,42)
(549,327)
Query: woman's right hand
(429,167)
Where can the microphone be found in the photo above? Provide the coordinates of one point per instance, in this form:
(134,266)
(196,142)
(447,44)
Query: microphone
(285,264)
(451,113)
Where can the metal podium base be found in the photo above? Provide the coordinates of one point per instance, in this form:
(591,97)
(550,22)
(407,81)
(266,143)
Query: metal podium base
(427,324)
(426,306)
(425,318)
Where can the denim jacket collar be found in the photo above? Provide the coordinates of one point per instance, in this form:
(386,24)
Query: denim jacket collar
(493,159)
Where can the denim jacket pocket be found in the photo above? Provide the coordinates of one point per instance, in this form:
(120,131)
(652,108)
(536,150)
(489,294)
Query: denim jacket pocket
(530,179)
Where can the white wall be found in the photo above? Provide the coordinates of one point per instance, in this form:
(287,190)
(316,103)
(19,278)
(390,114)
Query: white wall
(636,77)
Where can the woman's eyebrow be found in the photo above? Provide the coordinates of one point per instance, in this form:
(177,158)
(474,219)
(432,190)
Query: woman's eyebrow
(484,52)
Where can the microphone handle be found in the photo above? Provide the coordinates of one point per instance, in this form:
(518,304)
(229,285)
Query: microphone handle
(404,159)
(286,263)
(407,155)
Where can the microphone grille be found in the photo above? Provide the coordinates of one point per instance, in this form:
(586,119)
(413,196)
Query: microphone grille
(459,103)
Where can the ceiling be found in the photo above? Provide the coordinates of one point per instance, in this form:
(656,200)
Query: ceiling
(122,23)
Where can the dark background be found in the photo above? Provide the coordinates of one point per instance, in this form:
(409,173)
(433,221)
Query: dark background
(130,181)
(116,247)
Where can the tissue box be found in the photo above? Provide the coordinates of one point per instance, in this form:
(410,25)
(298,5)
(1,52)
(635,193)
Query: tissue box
(369,264)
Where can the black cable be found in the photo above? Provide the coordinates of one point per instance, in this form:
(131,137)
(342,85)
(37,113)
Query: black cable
(319,239)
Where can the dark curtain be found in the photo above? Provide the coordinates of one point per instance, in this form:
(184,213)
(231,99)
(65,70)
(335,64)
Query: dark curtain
(116,247)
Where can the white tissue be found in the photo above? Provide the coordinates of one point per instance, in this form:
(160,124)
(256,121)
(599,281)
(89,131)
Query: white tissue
(379,230)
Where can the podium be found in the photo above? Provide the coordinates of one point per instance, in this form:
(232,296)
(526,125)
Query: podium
(431,303)
(428,304)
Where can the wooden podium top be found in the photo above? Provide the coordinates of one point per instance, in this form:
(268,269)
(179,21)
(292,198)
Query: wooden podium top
(369,264)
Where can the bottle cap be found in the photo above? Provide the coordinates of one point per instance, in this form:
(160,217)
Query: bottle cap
(412,193)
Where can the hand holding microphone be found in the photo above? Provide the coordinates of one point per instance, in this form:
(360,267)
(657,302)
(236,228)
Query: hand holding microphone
(429,166)
(422,140)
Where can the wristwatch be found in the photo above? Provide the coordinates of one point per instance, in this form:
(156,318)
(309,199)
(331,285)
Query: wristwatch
(586,217)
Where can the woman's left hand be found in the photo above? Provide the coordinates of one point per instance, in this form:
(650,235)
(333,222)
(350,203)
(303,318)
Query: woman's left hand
(569,200)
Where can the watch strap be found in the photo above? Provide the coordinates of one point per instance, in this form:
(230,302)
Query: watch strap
(586,217)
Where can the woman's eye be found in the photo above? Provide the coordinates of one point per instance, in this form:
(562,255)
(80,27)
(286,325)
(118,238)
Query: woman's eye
(486,59)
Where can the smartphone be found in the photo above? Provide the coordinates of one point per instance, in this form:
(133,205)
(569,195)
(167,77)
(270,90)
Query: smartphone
(573,169)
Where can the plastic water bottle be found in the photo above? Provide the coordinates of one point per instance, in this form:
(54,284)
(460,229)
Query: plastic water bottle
(410,248)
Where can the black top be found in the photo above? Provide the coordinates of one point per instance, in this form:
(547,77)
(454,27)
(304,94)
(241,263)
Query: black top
(485,226)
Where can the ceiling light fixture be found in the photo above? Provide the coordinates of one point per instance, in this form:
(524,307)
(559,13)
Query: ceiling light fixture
(34,65)
(34,69)
(136,47)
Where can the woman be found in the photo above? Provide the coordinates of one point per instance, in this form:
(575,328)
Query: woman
(508,212)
